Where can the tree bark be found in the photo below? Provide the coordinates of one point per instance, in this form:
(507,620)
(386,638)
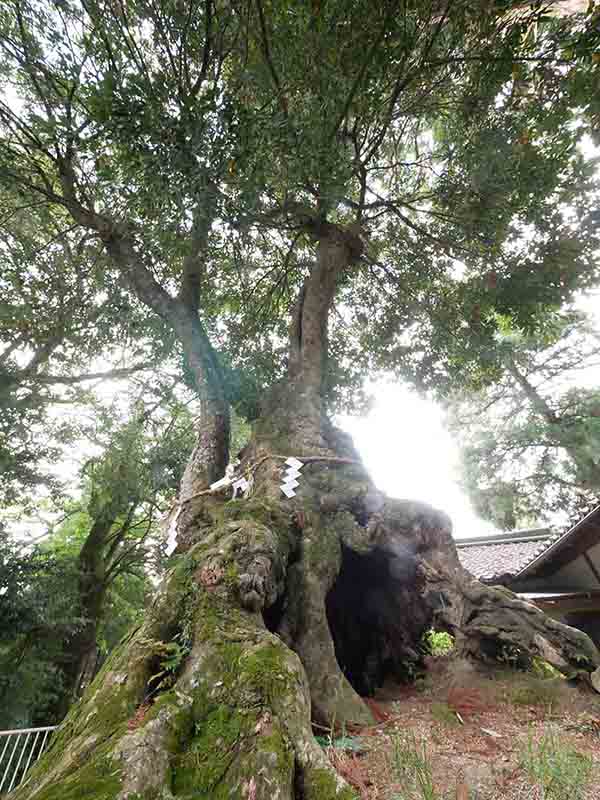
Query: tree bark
(280,610)
(180,313)
(79,661)
(337,249)
(209,461)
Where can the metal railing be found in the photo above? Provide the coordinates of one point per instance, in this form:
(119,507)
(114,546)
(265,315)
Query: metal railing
(19,749)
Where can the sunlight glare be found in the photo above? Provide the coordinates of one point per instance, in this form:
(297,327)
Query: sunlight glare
(411,455)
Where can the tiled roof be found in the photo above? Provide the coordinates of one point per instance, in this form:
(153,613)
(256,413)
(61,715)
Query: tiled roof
(501,559)
(502,556)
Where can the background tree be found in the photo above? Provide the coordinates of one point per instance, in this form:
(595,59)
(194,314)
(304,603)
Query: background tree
(103,541)
(37,604)
(41,614)
(127,489)
(530,442)
(363,160)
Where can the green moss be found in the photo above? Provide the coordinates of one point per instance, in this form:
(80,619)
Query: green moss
(266,672)
(271,515)
(232,574)
(237,685)
(275,743)
(182,587)
(214,746)
(504,591)
(208,737)
(180,724)
(325,548)
(214,614)
(111,710)
(114,707)
(224,667)
(321,784)
(99,778)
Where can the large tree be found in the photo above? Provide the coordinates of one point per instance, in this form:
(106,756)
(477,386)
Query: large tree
(251,168)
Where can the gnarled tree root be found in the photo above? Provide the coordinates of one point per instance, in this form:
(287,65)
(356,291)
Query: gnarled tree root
(491,623)
(230,720)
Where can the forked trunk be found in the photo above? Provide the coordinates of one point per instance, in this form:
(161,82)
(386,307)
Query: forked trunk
(276,610)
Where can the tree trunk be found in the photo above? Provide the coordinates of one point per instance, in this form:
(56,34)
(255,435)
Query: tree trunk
(81,652)
(278,610)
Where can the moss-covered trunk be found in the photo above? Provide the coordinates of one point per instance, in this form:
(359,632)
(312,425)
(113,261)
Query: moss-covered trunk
(277,610)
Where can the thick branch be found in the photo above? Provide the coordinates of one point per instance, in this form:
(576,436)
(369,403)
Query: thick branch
(40,357)
(194,262)
(200,356)
(536,400)
(336,249)
(111,374)
(181,318)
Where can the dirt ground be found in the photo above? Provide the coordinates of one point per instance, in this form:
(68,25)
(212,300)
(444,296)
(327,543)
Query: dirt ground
(472,733)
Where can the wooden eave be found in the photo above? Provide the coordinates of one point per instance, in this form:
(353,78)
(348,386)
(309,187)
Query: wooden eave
(572,544)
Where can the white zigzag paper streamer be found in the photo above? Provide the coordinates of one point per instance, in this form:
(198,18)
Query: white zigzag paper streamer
(290,476)
(172,539)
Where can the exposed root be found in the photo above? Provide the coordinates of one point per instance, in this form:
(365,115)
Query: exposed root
(236,720)
(491,623)
(351,769)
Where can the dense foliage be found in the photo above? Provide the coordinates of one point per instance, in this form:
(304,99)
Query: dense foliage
(217,143)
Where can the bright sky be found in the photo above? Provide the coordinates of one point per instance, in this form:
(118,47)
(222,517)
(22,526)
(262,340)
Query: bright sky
(408,451)
(410,454)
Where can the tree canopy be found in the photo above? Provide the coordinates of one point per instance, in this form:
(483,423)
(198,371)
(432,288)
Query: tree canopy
(189,160)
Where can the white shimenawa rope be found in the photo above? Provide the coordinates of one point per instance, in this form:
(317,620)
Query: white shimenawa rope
(242,486)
